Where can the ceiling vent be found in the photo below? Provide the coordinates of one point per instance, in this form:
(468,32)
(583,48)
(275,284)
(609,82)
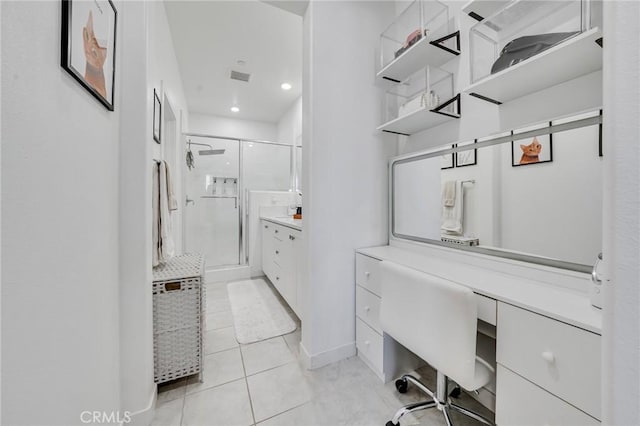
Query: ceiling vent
(240,76)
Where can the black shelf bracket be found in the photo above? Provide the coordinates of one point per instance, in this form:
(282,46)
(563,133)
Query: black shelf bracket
(396,133)
(455,99)
(484,98)
(476,16)
(438,43)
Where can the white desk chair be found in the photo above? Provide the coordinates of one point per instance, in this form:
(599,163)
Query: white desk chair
(437,320)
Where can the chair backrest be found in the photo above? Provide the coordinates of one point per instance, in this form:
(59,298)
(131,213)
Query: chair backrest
(434,318)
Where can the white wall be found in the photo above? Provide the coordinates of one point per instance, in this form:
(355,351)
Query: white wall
(164,76)
(136,326)
(621,332)
(231,127)
(344,166)
(60,155)
(290,124)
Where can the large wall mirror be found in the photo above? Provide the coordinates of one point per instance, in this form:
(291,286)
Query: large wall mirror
(532,194)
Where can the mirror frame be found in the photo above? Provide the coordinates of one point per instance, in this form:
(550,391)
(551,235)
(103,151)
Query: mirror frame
(421,155)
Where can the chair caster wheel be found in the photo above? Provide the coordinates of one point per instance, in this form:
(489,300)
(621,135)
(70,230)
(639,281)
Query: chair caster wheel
(390,423)
(455,393)
(401,386)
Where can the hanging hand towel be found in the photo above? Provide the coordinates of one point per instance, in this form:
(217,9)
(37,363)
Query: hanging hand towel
(173,202)
(452,216)
(449,193)
(155,214)
(167,248)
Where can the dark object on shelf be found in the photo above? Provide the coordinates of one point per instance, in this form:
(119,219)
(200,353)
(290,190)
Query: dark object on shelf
(522,48)
(412,39)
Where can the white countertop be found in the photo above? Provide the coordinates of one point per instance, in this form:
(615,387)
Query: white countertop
(285,221)
(558,303)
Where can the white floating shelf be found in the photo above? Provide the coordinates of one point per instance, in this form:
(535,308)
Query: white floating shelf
(481,9)
(571,59)
(424,52)
(416,121)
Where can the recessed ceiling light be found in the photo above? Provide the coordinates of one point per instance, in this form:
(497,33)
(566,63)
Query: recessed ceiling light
(235,109)
(285,86)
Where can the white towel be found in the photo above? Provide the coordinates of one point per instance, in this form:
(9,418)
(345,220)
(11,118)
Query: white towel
(452,216)
(167,248)
(449,193)
(173,203)
(155,209)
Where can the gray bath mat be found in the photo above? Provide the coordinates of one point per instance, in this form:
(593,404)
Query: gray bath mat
(258,313)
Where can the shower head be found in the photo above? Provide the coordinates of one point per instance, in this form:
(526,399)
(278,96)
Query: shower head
(211,152)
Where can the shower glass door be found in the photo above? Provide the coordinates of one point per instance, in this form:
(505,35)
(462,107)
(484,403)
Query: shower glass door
(212,205)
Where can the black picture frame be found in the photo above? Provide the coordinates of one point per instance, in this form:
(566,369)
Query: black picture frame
(474,155)
(95,72)
(600,152)
(544,141)
(447,161)
(157,117)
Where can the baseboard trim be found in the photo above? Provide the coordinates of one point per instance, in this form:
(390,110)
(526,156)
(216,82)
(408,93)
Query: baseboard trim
(143,417)
(311,362)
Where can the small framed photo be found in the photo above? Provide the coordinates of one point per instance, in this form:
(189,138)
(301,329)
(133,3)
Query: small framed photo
(89,46)
(447,161)
(157,117)
(468,157)
(535,150)
(600,136)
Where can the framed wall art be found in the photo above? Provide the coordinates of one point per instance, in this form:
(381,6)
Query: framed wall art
(157,117)
(468,157)
(535,150)
(89,46)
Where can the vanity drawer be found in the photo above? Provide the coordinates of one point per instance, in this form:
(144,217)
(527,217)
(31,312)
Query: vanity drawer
(368,308)
(279,251)
(278,231)
(520,402)
(487,309)
(560,358)
(369,344)
(367,273)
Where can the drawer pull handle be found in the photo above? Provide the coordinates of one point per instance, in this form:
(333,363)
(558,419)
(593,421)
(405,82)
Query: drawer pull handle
(548,356)
(277,278)
(366,274)
(277,252)
(276,231)
(291,237)
(266,227)
(367,309)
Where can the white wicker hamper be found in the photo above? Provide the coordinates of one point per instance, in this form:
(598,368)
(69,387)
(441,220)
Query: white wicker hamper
(178,303)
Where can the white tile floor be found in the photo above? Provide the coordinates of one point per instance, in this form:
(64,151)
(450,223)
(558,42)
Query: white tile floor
(265,384)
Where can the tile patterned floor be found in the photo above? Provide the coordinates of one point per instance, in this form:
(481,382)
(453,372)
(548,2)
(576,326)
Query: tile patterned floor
(265,384)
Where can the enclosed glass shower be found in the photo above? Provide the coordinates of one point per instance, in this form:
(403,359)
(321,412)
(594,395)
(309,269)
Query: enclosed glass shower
(216,185)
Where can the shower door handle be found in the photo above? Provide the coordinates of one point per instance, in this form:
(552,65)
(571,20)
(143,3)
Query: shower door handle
(236,201)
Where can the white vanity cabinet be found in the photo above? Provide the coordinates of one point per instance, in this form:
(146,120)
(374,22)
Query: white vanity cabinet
(387,358)
(548,371)
(280,262)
